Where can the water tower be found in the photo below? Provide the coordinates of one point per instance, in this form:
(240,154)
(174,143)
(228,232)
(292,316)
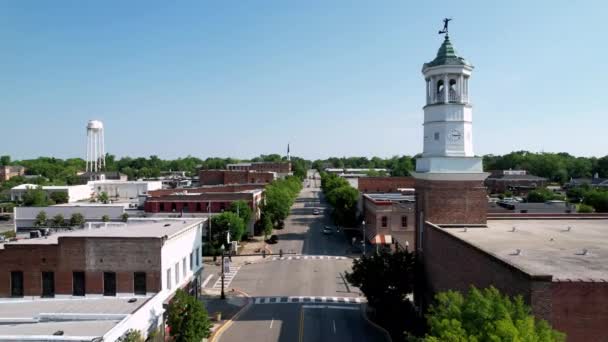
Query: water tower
(96,155)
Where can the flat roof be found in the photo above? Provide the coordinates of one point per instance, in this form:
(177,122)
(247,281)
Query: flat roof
(391,196)
(135,228)
(547,247)
(85,317)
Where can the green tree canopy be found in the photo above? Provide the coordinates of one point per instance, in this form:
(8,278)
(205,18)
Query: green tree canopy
(59,197)
(41,219)
(35,197)
(103,197)
(224,221)
(241,207)
(58,220)
(485,315)
(187,318)
(76,219)
(542,195)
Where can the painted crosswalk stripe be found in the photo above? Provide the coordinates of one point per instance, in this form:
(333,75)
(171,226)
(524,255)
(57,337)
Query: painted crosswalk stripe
(324,299)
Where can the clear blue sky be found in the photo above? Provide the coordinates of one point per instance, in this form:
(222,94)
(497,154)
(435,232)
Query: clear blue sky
(334,78)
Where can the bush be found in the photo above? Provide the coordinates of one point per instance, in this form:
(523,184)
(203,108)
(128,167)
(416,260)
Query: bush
(76,219)
(187,318)
(58,220)
(485,315)
(542,195)
(584,208)
(124,217)
(131,336)
(105,218)
(59,197)
(40,219)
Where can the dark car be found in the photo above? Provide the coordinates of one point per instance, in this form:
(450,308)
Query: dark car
(273,239)
(327,230)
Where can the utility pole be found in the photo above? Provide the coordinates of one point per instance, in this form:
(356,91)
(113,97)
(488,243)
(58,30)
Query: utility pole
(363,223)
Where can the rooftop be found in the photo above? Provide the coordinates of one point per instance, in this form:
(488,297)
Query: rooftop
(391,197)
(446,55)
(547,247)
(135,228)
(86,318)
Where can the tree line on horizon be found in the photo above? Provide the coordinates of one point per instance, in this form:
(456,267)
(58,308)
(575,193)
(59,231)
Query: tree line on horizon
(557,167)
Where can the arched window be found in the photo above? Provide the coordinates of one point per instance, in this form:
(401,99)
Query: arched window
(440,86)
(452,85)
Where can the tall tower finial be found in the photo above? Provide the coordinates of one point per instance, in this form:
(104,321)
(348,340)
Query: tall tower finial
(446,21)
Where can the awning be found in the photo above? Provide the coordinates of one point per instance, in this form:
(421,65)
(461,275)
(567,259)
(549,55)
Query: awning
(380,239)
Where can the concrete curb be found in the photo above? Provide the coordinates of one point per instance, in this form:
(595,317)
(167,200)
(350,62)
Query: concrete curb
(218,333)
(384,331)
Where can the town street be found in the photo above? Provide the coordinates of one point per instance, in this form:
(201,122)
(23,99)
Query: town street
(302,297)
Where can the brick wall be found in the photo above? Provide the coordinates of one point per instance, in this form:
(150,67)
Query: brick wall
(384,184)
(272,167)
(91,255)
(452,202)
(452,264)
(581,310)
(211,177)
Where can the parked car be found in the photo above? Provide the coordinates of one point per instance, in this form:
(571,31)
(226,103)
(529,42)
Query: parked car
(316,212)
(273,239)
(327,230)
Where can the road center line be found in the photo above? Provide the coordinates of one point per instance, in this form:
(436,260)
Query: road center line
(272,321)
(334,321)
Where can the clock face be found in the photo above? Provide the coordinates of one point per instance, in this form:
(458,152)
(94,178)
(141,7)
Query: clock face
(455,135)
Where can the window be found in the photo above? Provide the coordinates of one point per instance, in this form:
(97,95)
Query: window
(222,206)
(173,206)
(17,284)
(48,284)
(452,85)
(403,221)
(436,135)
(78,284)
(439,86)
(184,267)
(168,278)
(139,283)
(162,206)
(177,273)
(109,284)
(384,221)
(197,260)
(191,262)
(198,206)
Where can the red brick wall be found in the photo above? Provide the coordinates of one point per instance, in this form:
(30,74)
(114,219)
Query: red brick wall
(452,264)
(384,184)
(581,310)
(272,167)
(91,255)
(211,177)
(452,202)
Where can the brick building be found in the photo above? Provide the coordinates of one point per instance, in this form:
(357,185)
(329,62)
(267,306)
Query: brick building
(145,259)
(201,202)
(517,181)
(370,185)
(219,177)
(560,267)
(9,171)
(390,218)
(277,167)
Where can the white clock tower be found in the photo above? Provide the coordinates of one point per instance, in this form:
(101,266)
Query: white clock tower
(448,115)
(449,178)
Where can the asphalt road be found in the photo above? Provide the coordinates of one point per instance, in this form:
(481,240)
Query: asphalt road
(302,298)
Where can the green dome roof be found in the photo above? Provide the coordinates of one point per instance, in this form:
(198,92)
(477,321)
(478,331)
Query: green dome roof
(446,56)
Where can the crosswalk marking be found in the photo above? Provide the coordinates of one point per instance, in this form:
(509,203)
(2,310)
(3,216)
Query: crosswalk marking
(308,300)
(309,257)
(227,277)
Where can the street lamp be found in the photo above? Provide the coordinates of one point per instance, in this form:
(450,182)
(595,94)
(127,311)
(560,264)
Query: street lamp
(222,248)
(363,223)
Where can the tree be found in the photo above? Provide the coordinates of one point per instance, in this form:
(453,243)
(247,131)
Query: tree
(542,195)
(40,219)
(598,199)
(105,218)
(266,226)
(387,279)
(485,315)
(131,336)
(187,318)
(584,208)
(5,160)
(124,217)
(58,220)
(76,219)
(59,197)
(103,197)
(344,200)
(241,208)
(35,197)
(224,221)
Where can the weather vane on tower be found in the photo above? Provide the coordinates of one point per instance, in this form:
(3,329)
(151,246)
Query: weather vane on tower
(445,26)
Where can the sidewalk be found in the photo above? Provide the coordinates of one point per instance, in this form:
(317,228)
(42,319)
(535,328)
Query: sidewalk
(228,308)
